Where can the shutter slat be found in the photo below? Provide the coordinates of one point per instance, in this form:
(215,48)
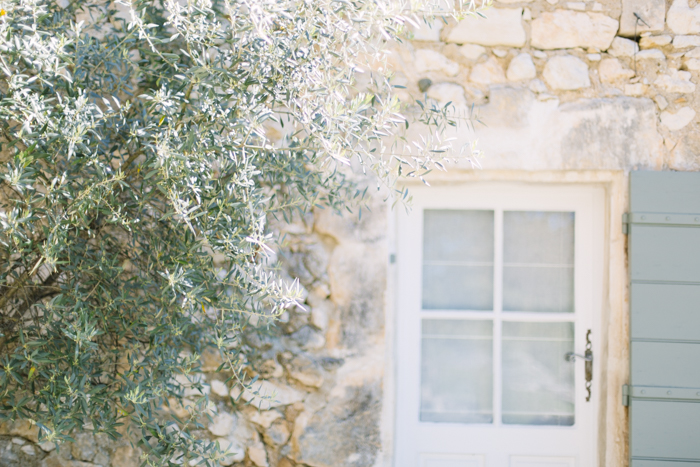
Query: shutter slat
(664,364)
(665,253)
(665,429)
(665,311)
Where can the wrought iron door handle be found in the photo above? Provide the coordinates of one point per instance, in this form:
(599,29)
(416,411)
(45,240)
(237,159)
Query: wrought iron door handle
(588,357)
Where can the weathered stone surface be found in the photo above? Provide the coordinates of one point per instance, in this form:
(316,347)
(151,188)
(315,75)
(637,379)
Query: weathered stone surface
(695,53)
(236,452)
(447,92)
(472,51)
(503,26)
(429,60)
(358,287)
(278,434)
(636,89)
(611,70)
(320,314)
(428,31)
(692,64)
(653,12)
(258,455)
(682,42)
(368,228)
(650,42)
(345,432)
(676,81)
(270,395)
(126,456)
(686,153)
(222,424)
(612,133)
(489,72)
(682,19)
(622,47)
(305,371)
(507,107)
(264,418)
(678,120)
(84,447)
(566,72)
(219,388)
(564,29)
(651,54)
(521,68)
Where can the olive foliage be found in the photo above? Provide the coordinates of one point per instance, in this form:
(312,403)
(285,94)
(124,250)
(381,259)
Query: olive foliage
(145,147)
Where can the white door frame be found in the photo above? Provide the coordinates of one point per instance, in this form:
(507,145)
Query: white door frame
(480,196)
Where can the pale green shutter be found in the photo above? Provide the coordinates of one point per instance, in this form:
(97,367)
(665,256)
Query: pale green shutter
(664,260)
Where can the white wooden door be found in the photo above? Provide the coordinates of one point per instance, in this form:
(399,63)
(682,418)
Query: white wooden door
(496,284)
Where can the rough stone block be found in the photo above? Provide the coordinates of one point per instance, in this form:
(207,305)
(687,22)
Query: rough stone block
(682,42)
(447,92)
(651,54)
(489,72)
(653,12)
(611,70)
(429,60)
(622,47)
(428,30)
(503,26)
(566,72)
(682,19)
(679,120)
(521,68)
(675,81)
(472,51)
(650,42)
(564,29)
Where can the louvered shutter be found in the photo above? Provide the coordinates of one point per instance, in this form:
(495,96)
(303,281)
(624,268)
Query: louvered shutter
(664,260)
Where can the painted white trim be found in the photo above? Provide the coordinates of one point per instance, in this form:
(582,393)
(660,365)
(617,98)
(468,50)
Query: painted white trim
(481,202)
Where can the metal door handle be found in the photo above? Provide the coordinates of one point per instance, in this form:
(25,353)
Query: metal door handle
(588,357)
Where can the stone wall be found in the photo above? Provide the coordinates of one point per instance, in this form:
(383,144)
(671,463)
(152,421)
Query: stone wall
(564,88)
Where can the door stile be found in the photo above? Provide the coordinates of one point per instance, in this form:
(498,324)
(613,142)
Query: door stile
(498,310)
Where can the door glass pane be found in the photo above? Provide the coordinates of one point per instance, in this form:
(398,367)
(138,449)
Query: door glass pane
(538,261)
(457,260)
(456,371)
(538,383)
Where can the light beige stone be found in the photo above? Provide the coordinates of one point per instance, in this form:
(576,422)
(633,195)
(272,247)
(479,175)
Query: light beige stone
(278,434)
(320,314)
(219,388)
(503,26)
(270,395)
(489,72)
(593,57)
(695,53)
(635,90)
(566,72)
(500,53)
(682,19)
(661,102)
(447,92)
(527,14)
(682,42)
(651,54)
(650,42)
(429,60)
(653,13)
(521,68)
(222,424)
(692,64)
(622,47)
(472,51)
(563,29)
(577,6)
(611,70)
(679,120)
(257,454)
(236,453)
(676,81)
(28,450)
(597,6)
(264,418)
(428,30)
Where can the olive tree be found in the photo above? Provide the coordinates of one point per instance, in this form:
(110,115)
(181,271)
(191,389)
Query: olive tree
(145,147)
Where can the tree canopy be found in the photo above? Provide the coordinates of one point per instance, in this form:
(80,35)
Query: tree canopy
(146,145)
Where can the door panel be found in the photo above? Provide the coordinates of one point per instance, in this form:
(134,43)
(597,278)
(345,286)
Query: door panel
(482,377)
